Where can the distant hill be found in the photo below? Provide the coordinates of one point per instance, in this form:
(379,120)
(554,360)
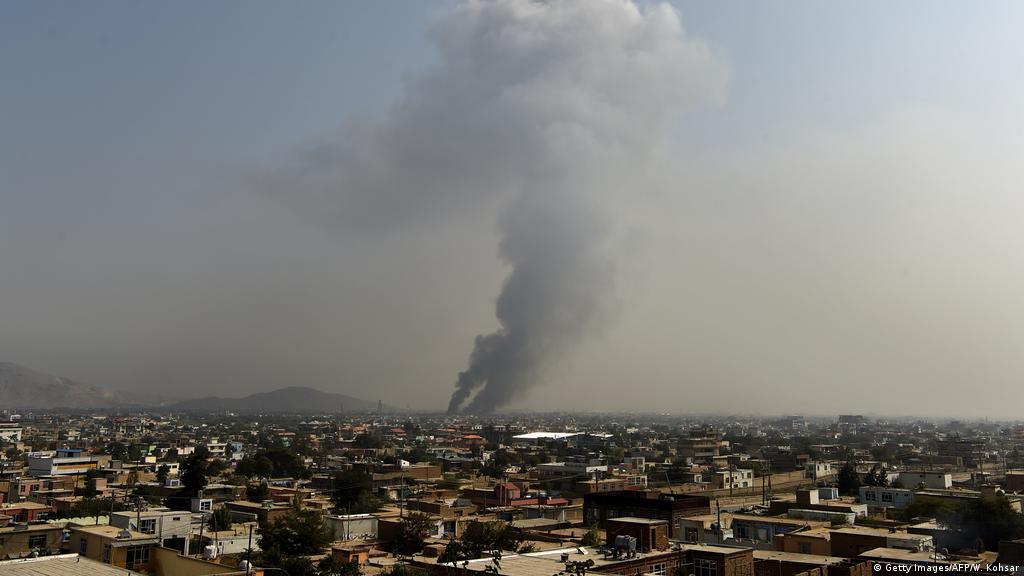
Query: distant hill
(25,388)
(291,399)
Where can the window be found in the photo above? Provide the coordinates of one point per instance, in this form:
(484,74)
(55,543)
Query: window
(83,545)
(870,496)
(37,541)
(886,496)
(742,531)
(690,535)
(803,547)
(148,526)
(135,556)
(704,567)
(657,569)
(106,553)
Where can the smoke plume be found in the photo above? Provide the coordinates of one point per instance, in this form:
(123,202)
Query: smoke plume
(549,111)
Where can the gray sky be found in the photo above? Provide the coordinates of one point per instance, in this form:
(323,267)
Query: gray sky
(831,228)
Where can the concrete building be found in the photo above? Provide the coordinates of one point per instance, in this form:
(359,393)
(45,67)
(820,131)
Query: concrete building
(650,534)
(735,478)
(854,540)
(969,452)
(886,497)
(171,528)
(10,432)
(21,540)
(352,526)
(64,462)
(817,470)
(599,508)
(927,480)
(114,546)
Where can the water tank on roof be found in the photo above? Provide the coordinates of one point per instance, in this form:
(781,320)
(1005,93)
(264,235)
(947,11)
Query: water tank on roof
(624,542)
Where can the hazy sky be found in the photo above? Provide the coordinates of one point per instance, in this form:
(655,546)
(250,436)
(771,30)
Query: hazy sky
(835,226)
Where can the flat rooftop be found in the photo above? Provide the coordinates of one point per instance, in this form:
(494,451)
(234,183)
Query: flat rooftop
(797,557)
(637,520)
(547,562)
(62,565)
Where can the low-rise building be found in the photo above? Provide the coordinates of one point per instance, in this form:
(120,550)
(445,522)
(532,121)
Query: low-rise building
(599,508)
(926,480)
(114,546)
(886,497)
(24,539)
(172,528)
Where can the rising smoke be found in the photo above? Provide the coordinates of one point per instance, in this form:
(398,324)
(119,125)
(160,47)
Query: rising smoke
(549,109)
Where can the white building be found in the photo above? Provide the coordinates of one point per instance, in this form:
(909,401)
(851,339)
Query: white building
(885,497)
(816,470)
(172,527)
(65,462)
(10,431)
(737,478)
(929,480)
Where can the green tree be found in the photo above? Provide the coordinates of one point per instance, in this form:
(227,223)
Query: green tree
(216,467)
(297,533)
(117,451)
(161,473)
(480,538)
(219,520)
(353,491)
(592,536)
(257,492)
(985,522)
(876,477)
(412,534)
(848,480)
(194,476)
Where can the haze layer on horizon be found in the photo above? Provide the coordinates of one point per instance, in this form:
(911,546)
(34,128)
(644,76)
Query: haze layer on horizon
(834,228)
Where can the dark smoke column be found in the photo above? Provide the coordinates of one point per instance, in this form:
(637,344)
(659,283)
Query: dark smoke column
(550,112)
(585,90)
(561,286)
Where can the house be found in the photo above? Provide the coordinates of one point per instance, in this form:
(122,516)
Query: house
(601,507)
(886,497)
(734,478)
(926,480)
(263,512)
(65,462)
(613,484)
(114,546)
(172,528)
(649,534)
(20,540)
(854,540)
(26,511)
(760,531)
(818,470)
(10,432)
(774,563)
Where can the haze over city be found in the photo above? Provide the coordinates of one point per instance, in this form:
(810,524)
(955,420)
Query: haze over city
(679,207)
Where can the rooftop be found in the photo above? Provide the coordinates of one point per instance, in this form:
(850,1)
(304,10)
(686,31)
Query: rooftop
(797,557)
(62,565)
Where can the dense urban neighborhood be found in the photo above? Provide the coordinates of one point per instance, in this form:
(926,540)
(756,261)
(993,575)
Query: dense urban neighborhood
(527,495)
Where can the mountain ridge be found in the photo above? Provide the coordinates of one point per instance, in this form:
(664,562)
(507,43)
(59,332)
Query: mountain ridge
(288,399)
(24,388)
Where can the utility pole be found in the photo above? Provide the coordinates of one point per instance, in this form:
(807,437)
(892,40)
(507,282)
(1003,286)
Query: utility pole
(718,505)
(248,552)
